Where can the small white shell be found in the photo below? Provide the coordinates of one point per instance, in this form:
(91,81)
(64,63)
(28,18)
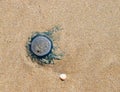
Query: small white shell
(63,76)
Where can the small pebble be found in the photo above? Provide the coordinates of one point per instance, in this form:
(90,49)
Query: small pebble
(62,77)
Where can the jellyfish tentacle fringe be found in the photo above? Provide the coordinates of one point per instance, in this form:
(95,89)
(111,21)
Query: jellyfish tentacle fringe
(51,56)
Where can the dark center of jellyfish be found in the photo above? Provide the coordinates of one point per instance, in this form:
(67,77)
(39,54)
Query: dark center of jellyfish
(41,46)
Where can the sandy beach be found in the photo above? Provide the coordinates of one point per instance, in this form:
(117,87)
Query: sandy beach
(90,39)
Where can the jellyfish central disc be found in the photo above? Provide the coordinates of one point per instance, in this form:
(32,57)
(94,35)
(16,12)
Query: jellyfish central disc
(41,46)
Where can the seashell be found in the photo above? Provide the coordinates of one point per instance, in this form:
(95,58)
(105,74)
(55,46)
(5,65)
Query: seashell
(62,77)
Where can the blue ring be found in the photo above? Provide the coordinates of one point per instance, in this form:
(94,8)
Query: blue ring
(45,54)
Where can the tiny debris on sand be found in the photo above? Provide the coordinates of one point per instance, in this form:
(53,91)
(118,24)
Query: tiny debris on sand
(63,77)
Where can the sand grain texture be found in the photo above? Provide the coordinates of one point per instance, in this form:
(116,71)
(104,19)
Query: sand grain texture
(90,40)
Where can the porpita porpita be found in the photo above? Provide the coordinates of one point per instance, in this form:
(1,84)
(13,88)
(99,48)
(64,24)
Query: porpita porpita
(40,47)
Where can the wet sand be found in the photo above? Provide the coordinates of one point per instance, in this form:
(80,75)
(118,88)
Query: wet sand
(90,39)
